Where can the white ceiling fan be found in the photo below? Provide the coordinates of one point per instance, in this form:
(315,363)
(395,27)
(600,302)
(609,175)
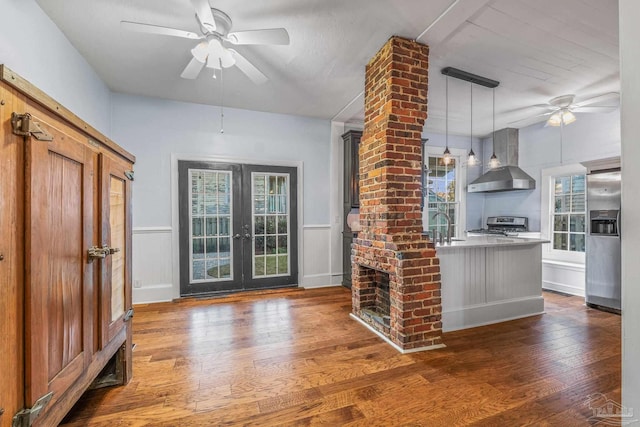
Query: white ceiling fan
(561,108)
(215,35)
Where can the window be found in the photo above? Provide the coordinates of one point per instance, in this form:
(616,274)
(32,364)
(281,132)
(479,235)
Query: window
(563,213)
(568,218)
(444,191)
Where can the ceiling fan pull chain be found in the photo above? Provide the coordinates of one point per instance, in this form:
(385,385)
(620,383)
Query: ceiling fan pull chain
(221,98)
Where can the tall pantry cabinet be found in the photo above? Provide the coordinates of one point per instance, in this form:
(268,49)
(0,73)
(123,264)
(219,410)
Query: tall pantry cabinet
(65,257)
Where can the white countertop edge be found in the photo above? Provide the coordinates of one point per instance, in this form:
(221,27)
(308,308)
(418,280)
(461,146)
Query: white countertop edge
(490,241)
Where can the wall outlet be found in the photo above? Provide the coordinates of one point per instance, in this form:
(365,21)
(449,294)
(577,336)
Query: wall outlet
(137,283)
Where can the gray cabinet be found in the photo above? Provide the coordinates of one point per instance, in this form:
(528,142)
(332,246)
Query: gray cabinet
(351,198)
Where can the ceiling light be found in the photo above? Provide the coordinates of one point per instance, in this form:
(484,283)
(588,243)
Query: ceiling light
(446,156)
(564,116)
(201,51)
(493,161)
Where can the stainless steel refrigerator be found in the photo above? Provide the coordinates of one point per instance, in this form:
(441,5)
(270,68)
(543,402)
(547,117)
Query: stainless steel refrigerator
(603,261)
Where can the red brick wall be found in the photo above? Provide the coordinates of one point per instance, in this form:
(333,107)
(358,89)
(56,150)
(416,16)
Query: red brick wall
(391,238)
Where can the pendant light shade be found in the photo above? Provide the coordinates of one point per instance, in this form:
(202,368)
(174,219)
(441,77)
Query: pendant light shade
(446,156)
(472,159)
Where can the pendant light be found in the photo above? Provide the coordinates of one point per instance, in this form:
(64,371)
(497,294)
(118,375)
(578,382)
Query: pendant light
(446,156)
(472,159)
(493,161)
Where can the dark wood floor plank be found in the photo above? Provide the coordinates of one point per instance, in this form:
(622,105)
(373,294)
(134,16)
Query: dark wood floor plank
(294,357)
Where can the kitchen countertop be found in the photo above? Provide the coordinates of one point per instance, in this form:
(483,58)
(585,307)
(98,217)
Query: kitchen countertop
(490,241)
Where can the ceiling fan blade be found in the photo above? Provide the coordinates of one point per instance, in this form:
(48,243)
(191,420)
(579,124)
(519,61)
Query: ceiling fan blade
(613,99)
(248,68)
(157,29)
(192,69)
(275,36)
(545,106)
(595,109)
(532,119)
(203,11)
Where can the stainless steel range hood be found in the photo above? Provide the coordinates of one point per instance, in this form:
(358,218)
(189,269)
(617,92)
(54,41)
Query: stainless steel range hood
(504,178)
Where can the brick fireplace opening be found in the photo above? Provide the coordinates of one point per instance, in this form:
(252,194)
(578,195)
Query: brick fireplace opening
(378,308)
(395,267)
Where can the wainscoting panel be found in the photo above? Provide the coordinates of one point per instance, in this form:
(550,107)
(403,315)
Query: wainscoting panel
(563,277)
(152,265)
(316,265)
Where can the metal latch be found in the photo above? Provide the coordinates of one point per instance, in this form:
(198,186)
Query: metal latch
(96,252)
(129,175)
(23,125)
(26,417)
(128,315)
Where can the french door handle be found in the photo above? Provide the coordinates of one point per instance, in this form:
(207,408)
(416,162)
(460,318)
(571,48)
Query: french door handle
(237,236)
(247,236)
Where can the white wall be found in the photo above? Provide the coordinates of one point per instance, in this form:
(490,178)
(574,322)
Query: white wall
(33,46)
(630,111)
(155,129)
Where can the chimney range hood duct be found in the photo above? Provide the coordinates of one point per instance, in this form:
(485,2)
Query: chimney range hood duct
(505,178)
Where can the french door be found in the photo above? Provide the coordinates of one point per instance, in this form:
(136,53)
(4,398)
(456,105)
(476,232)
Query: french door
(238,227)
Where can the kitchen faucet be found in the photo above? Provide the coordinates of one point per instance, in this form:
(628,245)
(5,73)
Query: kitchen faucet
(448,218)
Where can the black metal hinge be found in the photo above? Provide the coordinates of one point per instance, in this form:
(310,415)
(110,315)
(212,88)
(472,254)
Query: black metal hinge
(128,315)
(129,175)
(26,417)
(23,125)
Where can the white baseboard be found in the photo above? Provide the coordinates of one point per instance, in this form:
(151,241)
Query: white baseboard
(151,294)
(311,281)
(561,287)
(487,314)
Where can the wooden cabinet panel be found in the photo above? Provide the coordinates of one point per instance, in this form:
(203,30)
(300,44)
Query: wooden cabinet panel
(116,229)
(58,210)
(11,262)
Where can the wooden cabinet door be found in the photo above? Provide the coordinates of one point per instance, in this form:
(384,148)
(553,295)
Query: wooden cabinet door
(115,189)
(59,199)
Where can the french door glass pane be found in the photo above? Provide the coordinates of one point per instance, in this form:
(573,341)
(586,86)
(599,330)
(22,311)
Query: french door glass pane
(210,231)
(270,218)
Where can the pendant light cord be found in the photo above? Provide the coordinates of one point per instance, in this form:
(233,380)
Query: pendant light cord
(471,120)
(493,126)
(446,115)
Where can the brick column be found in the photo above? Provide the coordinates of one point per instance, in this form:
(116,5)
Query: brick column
(391,239)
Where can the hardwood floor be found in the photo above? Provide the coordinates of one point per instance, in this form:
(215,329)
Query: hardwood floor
(296,358)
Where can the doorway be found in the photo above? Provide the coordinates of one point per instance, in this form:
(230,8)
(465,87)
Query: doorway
(238,227)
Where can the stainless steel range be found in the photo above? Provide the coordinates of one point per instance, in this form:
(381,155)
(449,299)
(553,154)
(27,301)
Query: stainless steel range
(503,226)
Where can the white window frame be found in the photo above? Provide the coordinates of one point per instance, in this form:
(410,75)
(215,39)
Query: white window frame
(547,204)
(461,184)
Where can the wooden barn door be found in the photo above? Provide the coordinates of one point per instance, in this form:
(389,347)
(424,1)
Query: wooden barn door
(61,183)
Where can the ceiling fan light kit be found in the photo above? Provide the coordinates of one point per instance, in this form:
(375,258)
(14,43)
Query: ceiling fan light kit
(562,117)
(211,51)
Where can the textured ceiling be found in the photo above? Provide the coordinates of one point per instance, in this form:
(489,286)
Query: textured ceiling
(536,49)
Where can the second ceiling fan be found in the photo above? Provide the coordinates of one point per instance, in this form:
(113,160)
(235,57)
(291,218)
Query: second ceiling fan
(215,35)
(561,108)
